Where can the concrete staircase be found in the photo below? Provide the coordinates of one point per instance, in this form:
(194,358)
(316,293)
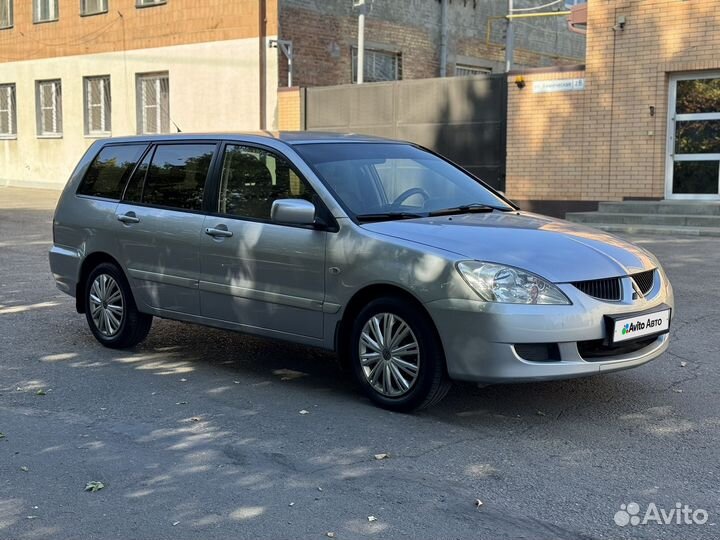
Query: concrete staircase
(692,218)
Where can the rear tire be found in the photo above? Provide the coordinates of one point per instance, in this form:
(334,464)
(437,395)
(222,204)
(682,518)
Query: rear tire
(396,356)
(110,309)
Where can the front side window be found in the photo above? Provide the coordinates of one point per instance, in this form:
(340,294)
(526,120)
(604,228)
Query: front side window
(379,65)
(45,10)
(177,174)
(49,108)
(110,170)
(8,115)
(379,178)
(93,7)
(98,106)
(253,178)
(6,14)
(153,102)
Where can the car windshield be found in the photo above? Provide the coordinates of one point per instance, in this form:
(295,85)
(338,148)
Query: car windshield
(378,181)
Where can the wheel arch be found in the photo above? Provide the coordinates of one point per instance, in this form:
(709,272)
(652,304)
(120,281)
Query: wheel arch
(88,264)
(363,297)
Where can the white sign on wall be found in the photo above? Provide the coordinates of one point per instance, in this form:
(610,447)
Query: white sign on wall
(558,85)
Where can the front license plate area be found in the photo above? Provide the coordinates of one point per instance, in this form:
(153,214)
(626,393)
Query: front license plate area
(629,326)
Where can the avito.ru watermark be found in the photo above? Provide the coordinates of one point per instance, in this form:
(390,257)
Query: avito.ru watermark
(682,514)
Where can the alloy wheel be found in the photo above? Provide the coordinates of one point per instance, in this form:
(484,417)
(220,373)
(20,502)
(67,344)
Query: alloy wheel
(389,354)
(106,305)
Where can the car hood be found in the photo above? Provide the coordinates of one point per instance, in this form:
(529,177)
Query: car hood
(554,249)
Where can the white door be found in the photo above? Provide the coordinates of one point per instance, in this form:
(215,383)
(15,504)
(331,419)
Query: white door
(693,150)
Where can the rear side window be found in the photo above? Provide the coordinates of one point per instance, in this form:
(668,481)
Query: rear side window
(110,170)
(176,177)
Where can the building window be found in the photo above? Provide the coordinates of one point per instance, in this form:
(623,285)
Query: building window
(8,122)
(45,10)
(148,3)
(49,108)
(379,65)
(6,14)
(93,7)
(98,106)
(153,103)
(469,71)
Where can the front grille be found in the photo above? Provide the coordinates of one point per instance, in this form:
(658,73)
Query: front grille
(602,289)
(644,281)
(596,350)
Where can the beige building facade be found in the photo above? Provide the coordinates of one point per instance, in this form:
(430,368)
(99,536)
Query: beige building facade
(75,71)
(640,121)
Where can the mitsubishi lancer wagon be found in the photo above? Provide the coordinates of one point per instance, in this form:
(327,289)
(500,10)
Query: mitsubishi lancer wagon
(412,269)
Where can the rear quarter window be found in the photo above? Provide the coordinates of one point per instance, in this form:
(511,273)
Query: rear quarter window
(110,170)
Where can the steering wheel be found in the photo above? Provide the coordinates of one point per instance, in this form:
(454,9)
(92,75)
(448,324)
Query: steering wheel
(409,193)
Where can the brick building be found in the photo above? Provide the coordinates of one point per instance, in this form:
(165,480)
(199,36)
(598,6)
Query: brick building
(641,121)
(72,71)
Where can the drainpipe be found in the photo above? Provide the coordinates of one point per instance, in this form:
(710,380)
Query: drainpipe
(262,14)
(443,37)
(509,39)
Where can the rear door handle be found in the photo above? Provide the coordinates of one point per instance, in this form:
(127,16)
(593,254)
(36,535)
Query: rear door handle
(129,217)
(218,233)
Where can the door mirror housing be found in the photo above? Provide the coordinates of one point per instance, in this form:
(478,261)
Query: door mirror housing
(293,212)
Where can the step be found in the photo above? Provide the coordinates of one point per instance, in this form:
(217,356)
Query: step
(692,220)
(665,230)
(711,208)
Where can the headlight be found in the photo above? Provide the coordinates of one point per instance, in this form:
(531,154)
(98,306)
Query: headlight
(498,283)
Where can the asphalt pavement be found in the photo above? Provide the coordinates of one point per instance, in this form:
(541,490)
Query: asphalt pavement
(198,433)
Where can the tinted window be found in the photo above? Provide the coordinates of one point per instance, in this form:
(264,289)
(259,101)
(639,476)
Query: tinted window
(177,174)
(253,178)
(110,170)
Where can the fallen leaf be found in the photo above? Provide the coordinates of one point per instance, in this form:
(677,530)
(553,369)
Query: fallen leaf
(683,364)
(319,489)
(677,390)
(183,380)
(540,413)
(103,408)
(175,523)
(372,518)
(381,456)
(24,469)
(2,435)
(32,517)
(94,486)
(181,403)
(291,504)
(289,374)
(40,392)
(194,419)
(236,382)
(478,503)
(304,412)
(330,534)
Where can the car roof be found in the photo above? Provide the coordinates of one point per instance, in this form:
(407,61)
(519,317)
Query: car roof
(289,137)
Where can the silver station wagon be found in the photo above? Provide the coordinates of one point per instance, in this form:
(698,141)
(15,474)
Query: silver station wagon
(409,267)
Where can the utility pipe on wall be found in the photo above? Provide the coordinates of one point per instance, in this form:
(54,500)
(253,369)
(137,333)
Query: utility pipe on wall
(443,37)
(509,39)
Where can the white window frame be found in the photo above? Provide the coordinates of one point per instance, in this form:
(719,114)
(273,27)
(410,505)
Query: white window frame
(11,110)
(11,14)
(102,8)
(55,107)
(370,51)
(105,105)
(143,110)
(52,7)
(149,3)
(472,70)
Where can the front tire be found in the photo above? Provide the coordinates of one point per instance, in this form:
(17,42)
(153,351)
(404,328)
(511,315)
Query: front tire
(397,357)
(110,309)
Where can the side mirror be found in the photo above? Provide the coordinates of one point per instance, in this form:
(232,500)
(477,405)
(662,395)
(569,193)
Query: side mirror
(293,212)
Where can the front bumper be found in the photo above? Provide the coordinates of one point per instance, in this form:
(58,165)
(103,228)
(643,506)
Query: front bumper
(479,338)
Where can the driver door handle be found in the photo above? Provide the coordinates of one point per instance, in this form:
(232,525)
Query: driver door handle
(218,233)
(128,218)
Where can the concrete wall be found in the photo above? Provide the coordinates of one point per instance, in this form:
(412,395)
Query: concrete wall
(214,86)
(323,33)
(605,143)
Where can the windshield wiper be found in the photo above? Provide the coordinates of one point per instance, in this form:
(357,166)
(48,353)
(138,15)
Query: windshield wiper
(467,209)
(388,216)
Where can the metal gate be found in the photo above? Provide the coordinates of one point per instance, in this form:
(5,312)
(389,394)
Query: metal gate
(462,118)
